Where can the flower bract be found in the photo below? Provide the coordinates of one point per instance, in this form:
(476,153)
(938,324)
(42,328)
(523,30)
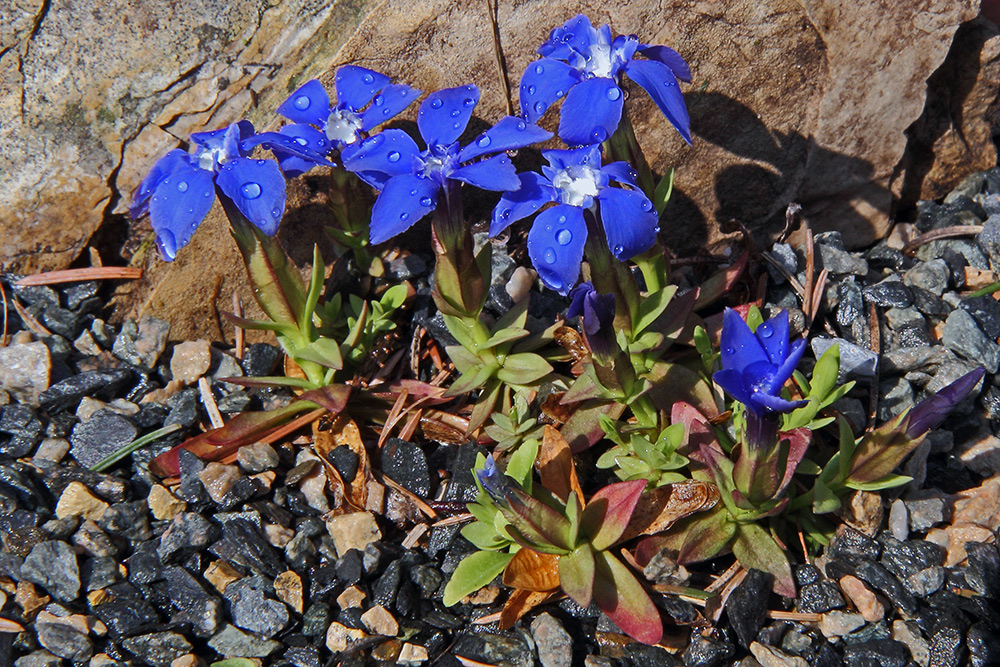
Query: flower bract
(756,364)
(410,179)
(180,188)
(576,182)
(585,64)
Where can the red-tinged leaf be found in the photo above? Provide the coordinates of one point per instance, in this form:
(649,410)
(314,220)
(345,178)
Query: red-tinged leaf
(674,382)
(704,535)
(243,429)
(881,450)
(676,323)
(332,397)
(576,574)
(555,466)
(620,595)
(583,429)
(540,523)
(431,394)
(755,548)
(720,283)
(698,432)
(798,443)
(607,514)
(530,570)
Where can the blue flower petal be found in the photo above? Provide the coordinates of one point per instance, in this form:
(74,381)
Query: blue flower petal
(542,84)
(622,172)
(404,200)
(591,112)
(577,297)
(670,58)
(555,246)
(387,104)
(497,174)
(571,40)
(309,104)
(731,380)
(629,222)
(509,133)
(760,402)
(588,156)
(535,192)
(784,371)
(174,160)
(377,159)
(740,347)
(258,190)
(773,337)
(298,148)
(180,202)
(659,81)
(356,86)
(445,113)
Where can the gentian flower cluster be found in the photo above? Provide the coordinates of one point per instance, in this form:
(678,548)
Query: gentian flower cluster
(585,65)
(576,182)
(180,188)
(365,99)
(411,179)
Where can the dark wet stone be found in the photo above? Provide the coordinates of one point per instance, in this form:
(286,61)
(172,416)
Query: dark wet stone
(22,428)
(883,580)
(93,541)
(852,545)
(98,573)
(442,619)
(104,385)
(351,618)
(495,649)
(345,461)
(983,573)
(78,296)
(986,311)
(316,620)
(191,489)
(839,262)
(877,653)
(129,520)
(786,257)
(183,408)
(907,558)
(984,645)
(187,531)
(819,597)
(64,640)
(855,361)
(913,334)
(100,436)
(300,553)
(350,567)
(962,335)
(460,462)
(641,655)
(747,605)
(428,578)
(947,647)
(883,257)
(253,611)
(707,652)
(926,582)
(260,359)
(142,343)
(57,529)
(126,612)
(680,611)
(243,544)
(158,648)
(406,464)
(234,403)
(889,293)
(929,304)
(305,656)
(408,267)
(931,276)
(231,642)
(850,303)
(385,588)
(53,565)
(144,565)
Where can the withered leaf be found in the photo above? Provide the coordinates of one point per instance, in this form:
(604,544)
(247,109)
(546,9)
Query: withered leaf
(555,465)
(532,571)
(520,603)
(571,341)
(659,508)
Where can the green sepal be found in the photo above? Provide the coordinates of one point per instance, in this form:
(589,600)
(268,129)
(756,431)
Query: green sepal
(651,307)
(661,195)
(755,548)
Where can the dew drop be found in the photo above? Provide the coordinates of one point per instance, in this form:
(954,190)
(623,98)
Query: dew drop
(191,212)
(618,249)
(646,205)
(562,219)
(549,256)
(531,90)
(393,156)
(564,237)
(377,140)
(301,142)
(456,126)
(568,37)
(261,162)
(302,102)
(182,186)
(560,93)
(656,230)
(456,113)
(426,202)
(469,102)
(539,69)
(413,192)
(504,214)
(599,135)
(730,350)
(404,216)
(379,100)
(275,212)
(614,93)
(368,78)
(483,142)
(669,84)
(765,330)
(436,103)
(386,112)
(206,194)
(250,190)
(520,126)
(539,107)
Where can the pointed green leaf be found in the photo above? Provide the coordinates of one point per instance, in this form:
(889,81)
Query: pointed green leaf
(824,500)
(472,379)
(661,195)
(523,368)
(484,536)
(755,548)
(887,482)
(608,512)
(706,535)
(651,307)
(522,462)
(475,571)
(576,574)
(504,336)
(322,351)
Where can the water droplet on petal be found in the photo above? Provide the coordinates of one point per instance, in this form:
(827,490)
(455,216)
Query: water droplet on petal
(302,102)
(379,100)
(568,37)
(531,90)
(469,102)
(426,202)
(730,350)
(191,212)
(386,112)
(765,330)
(206,194)
(599,135)
(250,190)
(483,142)
(549,256)
(656,230)
(413,192)
(504,214)
(393,156)
(669,84)
(436,103)
(301,142)
(562,219)
(614,93)
(404,216)
(261,162)
(540,107)
(182,186)
(618,249)
(456,113)
(520,126)
(646,205)
(368,78)
(564,237)
(539,69)
(456,126)
(275,212)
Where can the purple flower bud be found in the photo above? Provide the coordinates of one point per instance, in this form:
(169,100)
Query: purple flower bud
(930,412)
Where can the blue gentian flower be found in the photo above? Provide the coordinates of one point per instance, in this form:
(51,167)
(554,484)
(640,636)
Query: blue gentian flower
(346,123)
(180,188)
(576,181)
(756,365)
(410,179)
(597,313)
(493,481)
(585,65)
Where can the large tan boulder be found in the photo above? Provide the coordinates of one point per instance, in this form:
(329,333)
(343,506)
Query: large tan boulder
(806,101)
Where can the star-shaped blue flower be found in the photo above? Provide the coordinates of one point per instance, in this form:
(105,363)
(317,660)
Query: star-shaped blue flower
(411,179)
(756,364)
(576,182)
(180,188)
(585,65)
(365,99)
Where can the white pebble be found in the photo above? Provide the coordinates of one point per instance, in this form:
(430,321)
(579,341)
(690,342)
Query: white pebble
(899,522)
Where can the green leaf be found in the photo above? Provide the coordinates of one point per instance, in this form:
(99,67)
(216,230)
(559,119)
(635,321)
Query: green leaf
(651,307)
(824,500)
(661,195)
(754,318)
(523,368)
(887,482)
(462,332)
(576,574)
(322,351)
(394,297)
(470,380)
(608,512)
(315,289)
(706,535)
(755,548)
(475,571)
(484,536)
(235,662)
(483,408)
(620,595)
(522,462)
(507,335)
(463,359)
(515,318)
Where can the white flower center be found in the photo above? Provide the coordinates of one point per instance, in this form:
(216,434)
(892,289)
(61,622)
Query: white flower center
(343,126)
(577,185)
(210,158)
(599,60)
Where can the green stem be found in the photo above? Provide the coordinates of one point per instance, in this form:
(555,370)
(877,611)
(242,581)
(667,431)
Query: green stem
(133,446)
(611,276)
